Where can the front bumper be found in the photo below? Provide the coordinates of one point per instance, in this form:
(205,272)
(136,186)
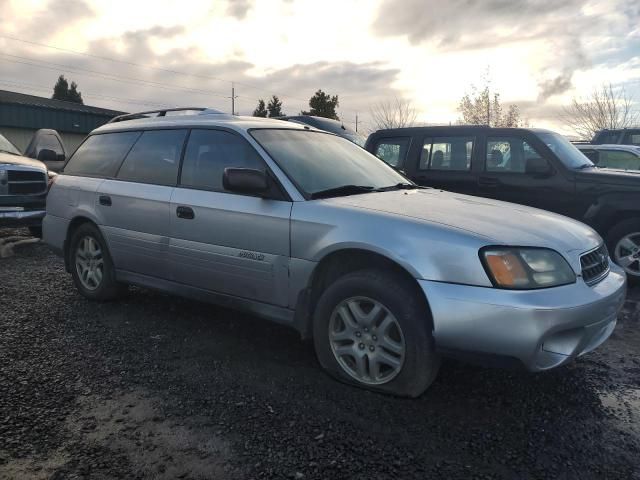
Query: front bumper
(540,329)
(17,217)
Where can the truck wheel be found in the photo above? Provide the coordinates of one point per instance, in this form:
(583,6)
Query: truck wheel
(623,242)
(91,265)
(373,330)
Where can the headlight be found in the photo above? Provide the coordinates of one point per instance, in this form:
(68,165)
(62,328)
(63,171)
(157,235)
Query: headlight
(526,268)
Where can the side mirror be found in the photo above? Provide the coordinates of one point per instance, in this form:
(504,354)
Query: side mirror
(245,180)
(46,155)
(537,166)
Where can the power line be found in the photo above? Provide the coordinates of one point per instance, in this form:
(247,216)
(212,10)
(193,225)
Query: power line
(108,76)
(141,65)
(166,70)
(115,60)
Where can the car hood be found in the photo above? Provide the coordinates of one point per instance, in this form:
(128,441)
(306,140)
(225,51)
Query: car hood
(500,223)
(8,159)
(611,176)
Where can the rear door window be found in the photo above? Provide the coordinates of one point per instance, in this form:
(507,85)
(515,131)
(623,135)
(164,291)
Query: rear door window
(393,150)
(101,155)
(632,138)
(446,153)
(154,158)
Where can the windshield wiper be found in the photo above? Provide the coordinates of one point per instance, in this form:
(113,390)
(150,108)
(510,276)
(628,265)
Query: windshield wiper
(586,165)
(399,186)
(342,191)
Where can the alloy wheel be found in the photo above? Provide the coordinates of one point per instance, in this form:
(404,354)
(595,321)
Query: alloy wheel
(366,340)
(627,253)
(89,262)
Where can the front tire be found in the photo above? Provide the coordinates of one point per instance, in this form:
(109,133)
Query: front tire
(373,329)
(623,242)
(91,265)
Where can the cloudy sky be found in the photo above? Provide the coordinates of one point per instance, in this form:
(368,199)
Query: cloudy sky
(136,54)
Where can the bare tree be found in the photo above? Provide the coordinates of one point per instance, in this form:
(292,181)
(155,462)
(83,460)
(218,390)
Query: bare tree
(604,108)
(396,113)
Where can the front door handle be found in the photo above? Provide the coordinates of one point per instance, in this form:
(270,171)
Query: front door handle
(489,182)
(105,200)
(185,212)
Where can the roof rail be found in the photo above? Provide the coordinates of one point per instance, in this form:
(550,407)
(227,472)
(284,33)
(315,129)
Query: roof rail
(159,113)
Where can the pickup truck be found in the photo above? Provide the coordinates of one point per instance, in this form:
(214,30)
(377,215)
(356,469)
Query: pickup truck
(533,167)
(24,183)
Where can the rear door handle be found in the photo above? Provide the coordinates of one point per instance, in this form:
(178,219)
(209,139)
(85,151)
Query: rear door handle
(490,182)
(185,212)
(105,200)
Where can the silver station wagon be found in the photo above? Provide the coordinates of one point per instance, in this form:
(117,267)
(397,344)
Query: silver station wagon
(307,229)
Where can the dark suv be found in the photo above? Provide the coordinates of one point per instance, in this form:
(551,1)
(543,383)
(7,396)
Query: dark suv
(621,136)
(532,167)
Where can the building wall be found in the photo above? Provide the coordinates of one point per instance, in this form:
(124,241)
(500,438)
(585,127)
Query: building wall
(21,137)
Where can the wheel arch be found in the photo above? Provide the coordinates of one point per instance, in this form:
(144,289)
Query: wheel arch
(73,226)
(338,263)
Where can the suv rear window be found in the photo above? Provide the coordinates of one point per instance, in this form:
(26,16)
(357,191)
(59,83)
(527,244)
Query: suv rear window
(100,155)
(155,158)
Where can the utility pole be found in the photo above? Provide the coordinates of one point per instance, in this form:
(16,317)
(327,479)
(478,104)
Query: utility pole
(356,121)
(233,98)
(488,107)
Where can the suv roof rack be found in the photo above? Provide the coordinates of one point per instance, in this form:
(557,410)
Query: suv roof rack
(159,113)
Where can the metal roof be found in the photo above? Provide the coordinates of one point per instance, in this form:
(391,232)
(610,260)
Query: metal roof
(23,99)
(20,110)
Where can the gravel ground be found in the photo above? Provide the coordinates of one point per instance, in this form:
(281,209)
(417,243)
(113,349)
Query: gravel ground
(159,387)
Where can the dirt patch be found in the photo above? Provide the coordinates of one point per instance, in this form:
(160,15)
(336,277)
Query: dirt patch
(160,447)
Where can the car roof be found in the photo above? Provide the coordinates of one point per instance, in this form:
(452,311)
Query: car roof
(454,128)
(205,118)
(609,146)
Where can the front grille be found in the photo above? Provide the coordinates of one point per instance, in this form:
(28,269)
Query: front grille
(25,182)
(595,265)
(24,176)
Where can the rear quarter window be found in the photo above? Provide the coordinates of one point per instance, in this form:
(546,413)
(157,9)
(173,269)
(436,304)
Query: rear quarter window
(101,155)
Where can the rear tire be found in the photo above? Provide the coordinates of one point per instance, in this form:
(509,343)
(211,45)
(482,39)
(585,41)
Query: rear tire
(623,242)
(387,344)
(91,265)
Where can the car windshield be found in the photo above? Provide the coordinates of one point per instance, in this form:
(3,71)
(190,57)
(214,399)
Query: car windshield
(8,147)
(316,162)
(565,150)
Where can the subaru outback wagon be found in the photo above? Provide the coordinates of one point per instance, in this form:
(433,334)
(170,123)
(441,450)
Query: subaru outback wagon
(307,229)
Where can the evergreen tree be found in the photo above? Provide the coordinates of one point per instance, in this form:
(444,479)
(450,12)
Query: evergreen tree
(275,107)
(61,91)
(261,110)
(323,105)
(74,95)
